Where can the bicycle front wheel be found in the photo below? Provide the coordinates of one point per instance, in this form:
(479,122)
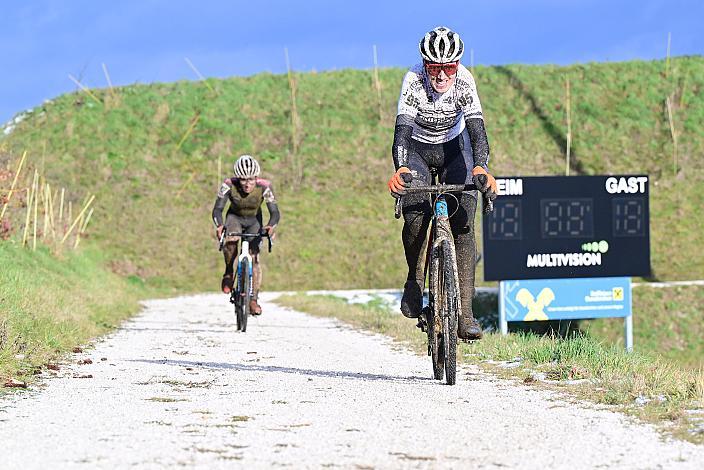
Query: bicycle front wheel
(451,309)
(436,298)
(245,295)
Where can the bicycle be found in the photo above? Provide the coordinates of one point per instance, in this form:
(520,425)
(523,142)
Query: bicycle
(242,291)
(439,318)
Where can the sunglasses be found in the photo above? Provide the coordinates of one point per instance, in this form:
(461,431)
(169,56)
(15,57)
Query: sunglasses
(434,69)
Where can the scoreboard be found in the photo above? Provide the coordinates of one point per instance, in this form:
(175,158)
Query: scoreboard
(548,227)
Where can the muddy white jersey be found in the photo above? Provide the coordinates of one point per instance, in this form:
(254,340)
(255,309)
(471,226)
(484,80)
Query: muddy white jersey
(437,117)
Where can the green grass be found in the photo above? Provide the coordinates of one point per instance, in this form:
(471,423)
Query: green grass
(51,304)
(666,321)
(154,198)
(614,377)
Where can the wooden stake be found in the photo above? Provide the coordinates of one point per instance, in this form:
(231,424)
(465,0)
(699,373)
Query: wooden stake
(667,61)
(183,186)
(14,183)
(85,224)
(30,195)
(189,130)
(673,133)
(36,205)
(294,110)
(78,232)
(200,76)
(47,203)
(297,168)
(52,220)
(75,222)
(107,78)
(86,90)
(377,85)
(61,210)
(569,126)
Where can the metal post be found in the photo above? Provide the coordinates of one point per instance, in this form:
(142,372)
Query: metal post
(503,324)
(628,333)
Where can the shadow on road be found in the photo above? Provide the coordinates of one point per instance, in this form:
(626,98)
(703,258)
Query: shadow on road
(285,370)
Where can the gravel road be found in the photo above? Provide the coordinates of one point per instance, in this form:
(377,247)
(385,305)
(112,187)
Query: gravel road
(177,386)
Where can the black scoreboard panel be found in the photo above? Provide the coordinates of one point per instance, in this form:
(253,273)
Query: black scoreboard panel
(547,227)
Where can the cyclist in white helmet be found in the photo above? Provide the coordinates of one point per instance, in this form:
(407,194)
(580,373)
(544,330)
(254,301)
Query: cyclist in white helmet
(246,193)
(440,129)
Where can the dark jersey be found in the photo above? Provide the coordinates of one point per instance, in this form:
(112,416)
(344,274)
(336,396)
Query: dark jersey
(243,204)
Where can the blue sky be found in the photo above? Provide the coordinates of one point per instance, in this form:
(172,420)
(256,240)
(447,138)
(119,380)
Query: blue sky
(43,41)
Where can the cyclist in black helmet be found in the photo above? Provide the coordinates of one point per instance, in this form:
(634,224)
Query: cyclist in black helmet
(246,193)
(440,128)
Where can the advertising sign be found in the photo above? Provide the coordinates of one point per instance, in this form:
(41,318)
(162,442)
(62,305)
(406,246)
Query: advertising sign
(550,227)
(566,299)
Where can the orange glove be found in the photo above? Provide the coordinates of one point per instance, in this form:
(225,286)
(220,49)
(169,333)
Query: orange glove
(490,182)
(270,231)
(396,183)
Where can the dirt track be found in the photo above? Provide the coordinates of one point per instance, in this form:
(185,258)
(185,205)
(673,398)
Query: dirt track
(179,387)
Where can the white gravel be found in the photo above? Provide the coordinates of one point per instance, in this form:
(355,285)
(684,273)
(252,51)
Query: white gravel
(179,387)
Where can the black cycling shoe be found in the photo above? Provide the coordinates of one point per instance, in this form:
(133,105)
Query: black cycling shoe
(423,319)
(412,300)
(468,328)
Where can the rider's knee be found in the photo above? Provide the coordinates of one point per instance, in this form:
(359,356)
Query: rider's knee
(416,211)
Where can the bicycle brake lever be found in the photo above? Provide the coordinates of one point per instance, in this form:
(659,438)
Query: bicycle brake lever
(488,204)
(397,209)
(222,240)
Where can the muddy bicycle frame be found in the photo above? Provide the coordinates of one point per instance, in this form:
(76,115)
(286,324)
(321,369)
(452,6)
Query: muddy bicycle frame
(439,319)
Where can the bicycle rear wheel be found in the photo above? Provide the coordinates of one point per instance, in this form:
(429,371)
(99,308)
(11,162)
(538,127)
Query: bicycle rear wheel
(436,300)
(451,312)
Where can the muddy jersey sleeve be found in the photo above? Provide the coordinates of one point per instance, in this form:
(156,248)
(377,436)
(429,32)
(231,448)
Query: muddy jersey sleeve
(411,92)
(408,106)
(270,199)
(221,200)
(468,101)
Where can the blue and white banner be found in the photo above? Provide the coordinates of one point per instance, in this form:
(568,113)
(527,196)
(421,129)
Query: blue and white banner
(565,299)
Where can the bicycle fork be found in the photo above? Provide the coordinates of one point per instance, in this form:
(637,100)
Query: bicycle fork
(250,273)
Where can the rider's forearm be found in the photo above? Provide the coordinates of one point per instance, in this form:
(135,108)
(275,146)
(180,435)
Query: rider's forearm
(274,214)
(217,210)
(402,140)
(480,142)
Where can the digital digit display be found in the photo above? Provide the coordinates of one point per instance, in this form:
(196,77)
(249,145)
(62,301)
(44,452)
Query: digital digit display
(629,215)
(507,223)
(547,227)
(565,218)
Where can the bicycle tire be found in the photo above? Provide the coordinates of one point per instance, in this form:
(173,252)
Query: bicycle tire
(245,294)
(234,301)
(451,313)
(238,300)
(435,298)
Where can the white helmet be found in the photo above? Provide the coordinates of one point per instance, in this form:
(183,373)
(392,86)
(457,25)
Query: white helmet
(246,167)
(441,45)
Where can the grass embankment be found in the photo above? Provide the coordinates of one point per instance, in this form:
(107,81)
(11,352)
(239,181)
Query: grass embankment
(666,321)
(613,377)
(50,304)
(151,154)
